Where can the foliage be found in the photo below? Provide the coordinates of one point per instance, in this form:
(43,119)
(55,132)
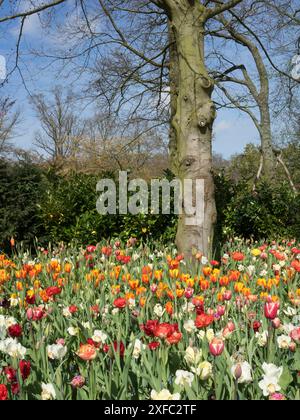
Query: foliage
(37,203)
(271,211)
(21,186)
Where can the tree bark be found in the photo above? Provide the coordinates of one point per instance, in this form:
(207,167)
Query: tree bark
(269,158)
(192,117)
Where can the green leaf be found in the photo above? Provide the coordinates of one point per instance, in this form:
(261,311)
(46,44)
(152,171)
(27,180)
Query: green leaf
(286,378)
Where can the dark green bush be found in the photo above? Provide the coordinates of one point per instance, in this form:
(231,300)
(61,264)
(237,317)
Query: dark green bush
(21,186)
(36,202)
(269,213)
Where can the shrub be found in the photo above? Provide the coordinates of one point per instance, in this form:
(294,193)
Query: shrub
(20,189)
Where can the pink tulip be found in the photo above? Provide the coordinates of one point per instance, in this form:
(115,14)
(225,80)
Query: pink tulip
(271,310)
(295,335)
(227,295)
(276,323)
(221,310)
(216,347)
(189,292)
(35,314)
(231,326)
(153,287)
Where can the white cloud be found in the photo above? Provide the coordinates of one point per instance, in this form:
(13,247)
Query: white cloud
(221,126)
(32,27)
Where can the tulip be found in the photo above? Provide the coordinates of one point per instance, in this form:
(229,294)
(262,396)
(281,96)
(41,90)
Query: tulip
(87,352)
(78,382)
(15,331)
(237,372)
(120,303)
(276,323)
(227,295)
(11,374)
(153,345)
(25,369)
(231,326)
(189,292)
(277,397)
(3,393)
(271,310)
(216,347)
(153,287)
(295,335)
(35,314)
(174,338)
(221,310)
(256,326)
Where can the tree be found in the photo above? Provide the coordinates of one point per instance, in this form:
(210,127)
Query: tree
(62,129)
(245,81)
(110,144)
(8,124)
(191,87)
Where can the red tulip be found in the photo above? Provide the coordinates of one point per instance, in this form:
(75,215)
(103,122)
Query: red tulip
(3,393)
(120,303)
(119,348)
(154,345)
(238,256)
(256,326)
(11,374)
(203,320)
(271,310)
(150,327)
(25,369)
(15,388)
(163,330)
(91,249)
(174,338)
(73,309)
(296,265)
(216,347)
(53,291)
(15,331)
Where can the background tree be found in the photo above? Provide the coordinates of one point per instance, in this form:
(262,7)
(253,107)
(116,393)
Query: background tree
(245,81)
(62,128)
(8,124)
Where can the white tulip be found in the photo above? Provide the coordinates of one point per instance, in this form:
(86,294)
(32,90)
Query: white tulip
(184,378)
(48,392)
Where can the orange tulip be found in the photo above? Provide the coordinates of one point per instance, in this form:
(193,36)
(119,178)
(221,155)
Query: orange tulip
(87,352)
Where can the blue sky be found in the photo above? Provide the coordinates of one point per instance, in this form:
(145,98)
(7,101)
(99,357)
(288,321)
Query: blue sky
(233,129)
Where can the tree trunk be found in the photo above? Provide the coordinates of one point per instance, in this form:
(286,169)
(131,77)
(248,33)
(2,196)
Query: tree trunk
(192,116)
(269,158)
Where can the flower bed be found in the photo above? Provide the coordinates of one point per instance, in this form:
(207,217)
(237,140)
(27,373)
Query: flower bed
(113,322)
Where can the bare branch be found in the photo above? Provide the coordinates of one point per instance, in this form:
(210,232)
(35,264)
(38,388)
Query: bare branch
(32,11)
(123,39)
(237,104)
(210,13)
